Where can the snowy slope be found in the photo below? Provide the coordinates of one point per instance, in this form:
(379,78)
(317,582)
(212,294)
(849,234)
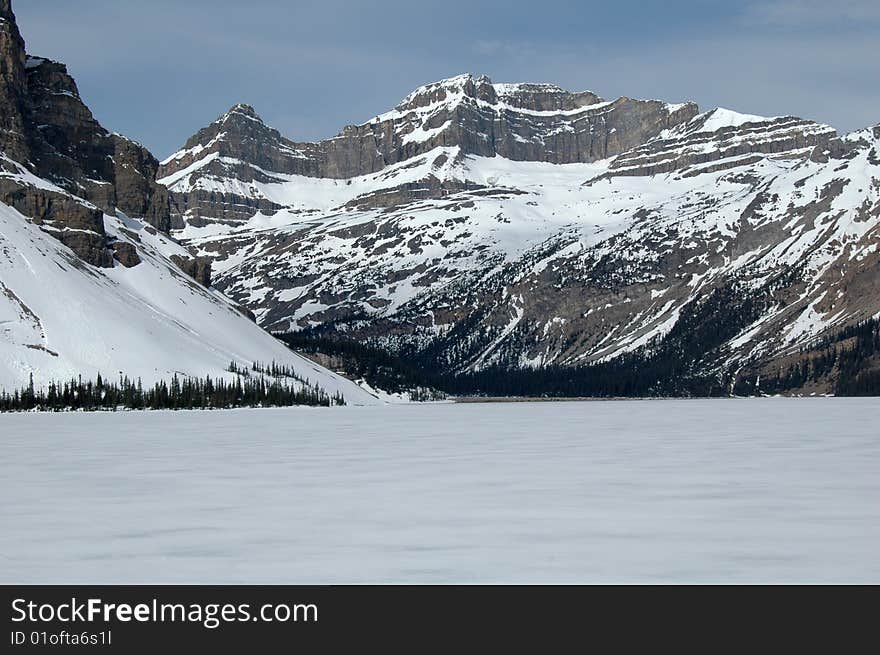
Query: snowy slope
(84,288)
(60,317)
(532,201)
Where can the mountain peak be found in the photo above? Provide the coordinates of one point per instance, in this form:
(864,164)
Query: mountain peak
(456,81)
(468,88)
(720,117)
(241,110)
(449,89)
(520,122)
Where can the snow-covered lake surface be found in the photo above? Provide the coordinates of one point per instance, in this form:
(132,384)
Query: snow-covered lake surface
(651,491)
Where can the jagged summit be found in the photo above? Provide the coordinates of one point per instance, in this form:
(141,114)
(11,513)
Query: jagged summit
(482,88)
(519,122)
(452,91)
(240,110)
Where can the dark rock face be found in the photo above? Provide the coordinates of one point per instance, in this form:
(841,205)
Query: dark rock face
(526,122)
(214,206)
(13,86)
(55,210)
(45,126)
(126,254)
(198,268)
(521,122)
(78,226)
(72,149)
(137,193)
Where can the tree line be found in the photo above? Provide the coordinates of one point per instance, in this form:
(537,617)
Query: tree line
(675,364)
(687,361)
(378,368)
(845,355)
(179,393)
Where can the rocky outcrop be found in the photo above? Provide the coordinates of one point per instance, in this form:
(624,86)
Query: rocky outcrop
(722,135)
(247,313)
(134,182)
(74,151)
(47,129)
(203,207)
(198,268)
(52,208)
(126,254)
(520,122)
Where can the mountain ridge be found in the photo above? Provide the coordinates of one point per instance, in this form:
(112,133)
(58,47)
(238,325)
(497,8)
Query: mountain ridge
(453,243)
(521,122)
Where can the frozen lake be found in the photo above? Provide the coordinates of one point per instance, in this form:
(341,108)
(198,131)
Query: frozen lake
(644,491)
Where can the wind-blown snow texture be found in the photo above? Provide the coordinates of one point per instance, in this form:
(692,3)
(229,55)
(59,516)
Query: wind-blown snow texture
(655,491)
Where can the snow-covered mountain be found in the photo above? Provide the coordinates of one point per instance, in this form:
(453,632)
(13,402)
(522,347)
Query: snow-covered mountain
(90,281)
(61,317)
(482,223)
(474,224)
(520,122)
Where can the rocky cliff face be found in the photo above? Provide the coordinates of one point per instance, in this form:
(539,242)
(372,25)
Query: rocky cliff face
(722,136)
(47,131)
(520,122)
(13,86)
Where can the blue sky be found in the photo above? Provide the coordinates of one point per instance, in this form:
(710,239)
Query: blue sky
(157,71)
